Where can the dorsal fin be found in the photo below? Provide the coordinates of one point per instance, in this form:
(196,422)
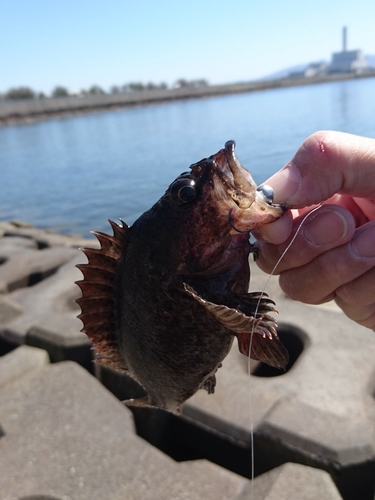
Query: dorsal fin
(97,301)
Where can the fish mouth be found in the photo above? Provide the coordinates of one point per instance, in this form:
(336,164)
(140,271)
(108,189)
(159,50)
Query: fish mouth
(252,205)
(236,181)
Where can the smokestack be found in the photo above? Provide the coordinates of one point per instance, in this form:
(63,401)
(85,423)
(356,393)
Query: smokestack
(344,39)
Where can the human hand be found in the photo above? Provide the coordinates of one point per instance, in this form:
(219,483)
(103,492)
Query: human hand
(333,254)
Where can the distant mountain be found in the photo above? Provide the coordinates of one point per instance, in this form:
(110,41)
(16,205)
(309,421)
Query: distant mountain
(284,72)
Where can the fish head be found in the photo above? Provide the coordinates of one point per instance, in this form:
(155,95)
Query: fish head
(222,183)
(237,196)
(215,203)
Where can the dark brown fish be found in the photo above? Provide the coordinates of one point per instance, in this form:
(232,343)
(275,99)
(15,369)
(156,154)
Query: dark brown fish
(164,298)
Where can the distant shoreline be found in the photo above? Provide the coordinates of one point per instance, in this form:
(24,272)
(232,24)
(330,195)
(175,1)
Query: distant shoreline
(28,111)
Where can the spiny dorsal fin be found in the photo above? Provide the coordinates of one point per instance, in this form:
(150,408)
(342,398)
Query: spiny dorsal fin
(97,301)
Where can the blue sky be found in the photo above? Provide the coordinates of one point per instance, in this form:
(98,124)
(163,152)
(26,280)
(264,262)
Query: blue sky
(78,43)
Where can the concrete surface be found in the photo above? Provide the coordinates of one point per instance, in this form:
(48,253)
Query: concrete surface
(65,436)
(38,272)
(320,414)
(308,483)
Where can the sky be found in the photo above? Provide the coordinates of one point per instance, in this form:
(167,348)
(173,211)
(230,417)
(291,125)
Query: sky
(80,43)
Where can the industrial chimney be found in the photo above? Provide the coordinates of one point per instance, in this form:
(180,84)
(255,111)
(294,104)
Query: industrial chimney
(344,39)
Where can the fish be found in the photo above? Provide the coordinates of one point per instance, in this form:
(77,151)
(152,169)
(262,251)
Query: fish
(163,299)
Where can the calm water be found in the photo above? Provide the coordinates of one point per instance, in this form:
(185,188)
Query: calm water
(73,174)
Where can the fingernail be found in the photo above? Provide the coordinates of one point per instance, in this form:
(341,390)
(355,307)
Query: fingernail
(285,184)
(363,244)
(325,228)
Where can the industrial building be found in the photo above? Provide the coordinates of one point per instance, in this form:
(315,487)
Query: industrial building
(347,61)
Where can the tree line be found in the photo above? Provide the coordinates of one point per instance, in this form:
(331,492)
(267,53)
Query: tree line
(18,93)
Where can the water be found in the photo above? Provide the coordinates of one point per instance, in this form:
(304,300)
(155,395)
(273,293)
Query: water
(72,174)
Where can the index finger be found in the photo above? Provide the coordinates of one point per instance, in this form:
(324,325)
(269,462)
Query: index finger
(327,163)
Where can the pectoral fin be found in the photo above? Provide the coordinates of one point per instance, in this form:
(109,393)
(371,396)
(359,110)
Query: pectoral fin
(252,326)
(265,347)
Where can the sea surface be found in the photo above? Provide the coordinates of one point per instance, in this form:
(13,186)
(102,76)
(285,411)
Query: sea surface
(72,174)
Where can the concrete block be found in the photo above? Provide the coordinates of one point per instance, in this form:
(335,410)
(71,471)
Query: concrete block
(66,437)
(324,438)
(17,241)
(50,304)
(5,226)
(49,316)
(43,237)
(37,304)
(69,345)
(20,362)
(20,223)
(292,482)
(9,309)
(24,267)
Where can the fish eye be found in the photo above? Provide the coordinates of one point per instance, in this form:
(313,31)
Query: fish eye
(183,191)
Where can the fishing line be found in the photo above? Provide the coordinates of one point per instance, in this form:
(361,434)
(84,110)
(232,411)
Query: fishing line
(251,341)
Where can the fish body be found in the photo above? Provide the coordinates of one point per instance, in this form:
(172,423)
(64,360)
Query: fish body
(164,298)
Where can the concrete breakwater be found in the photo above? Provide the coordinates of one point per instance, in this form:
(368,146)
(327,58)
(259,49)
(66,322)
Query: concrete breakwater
(12,112)
(63,434)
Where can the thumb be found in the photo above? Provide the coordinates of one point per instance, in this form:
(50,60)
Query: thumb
(327,163)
